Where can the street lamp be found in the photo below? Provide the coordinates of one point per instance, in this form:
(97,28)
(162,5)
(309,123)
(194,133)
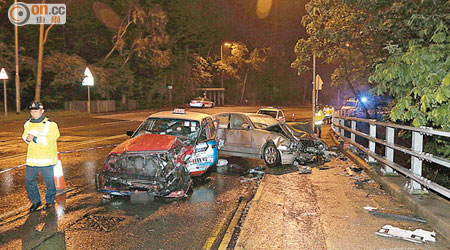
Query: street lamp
(226,44)
(88,80)
(4,77)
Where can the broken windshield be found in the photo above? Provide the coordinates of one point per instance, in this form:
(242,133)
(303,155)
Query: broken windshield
(262,121)
(170,126)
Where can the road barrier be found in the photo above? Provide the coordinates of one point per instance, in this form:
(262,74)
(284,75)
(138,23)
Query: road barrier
(347,130)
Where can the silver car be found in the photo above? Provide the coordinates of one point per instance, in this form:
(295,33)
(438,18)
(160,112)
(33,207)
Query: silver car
(260,136)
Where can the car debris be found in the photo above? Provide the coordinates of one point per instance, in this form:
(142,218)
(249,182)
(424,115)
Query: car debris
(369,208)
(397,216)
(221,163)
(253,171)
(349,171)
(360,183)
(304,170)
(416,236)
(357,170)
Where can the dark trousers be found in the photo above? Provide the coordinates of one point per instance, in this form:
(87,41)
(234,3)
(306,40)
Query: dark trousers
(32,187)
(318,127)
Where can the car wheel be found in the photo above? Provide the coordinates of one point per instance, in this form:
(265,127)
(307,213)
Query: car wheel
(212,105)
(203,105)
(271,155)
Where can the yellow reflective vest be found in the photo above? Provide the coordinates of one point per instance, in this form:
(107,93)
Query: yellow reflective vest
(318,117)
(42,150)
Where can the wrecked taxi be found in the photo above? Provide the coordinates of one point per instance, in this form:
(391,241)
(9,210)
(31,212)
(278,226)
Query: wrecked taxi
(261,136)
(161,155)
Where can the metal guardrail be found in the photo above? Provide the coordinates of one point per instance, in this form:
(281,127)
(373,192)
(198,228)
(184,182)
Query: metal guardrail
(417,183)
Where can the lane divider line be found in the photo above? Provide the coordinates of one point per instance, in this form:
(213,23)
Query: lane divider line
(210,241)
(230,230)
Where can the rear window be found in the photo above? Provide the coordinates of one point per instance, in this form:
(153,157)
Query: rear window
(268,112)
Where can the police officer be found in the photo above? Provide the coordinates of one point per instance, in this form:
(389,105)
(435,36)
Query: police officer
(318,117)
(40,133)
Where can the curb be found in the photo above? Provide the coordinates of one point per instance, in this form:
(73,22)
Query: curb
(434,209)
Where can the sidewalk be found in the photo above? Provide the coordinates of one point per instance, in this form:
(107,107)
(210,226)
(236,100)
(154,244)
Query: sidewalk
(324,210)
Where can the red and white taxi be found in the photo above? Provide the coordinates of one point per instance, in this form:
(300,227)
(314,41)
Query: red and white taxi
(201,102)
(161,155)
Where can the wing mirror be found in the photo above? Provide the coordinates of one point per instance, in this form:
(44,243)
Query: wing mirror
(245,126)
(130,132)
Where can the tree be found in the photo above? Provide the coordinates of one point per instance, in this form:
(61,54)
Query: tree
(42,41)
(64,74)
(417,74)
(340,32)
(142,34)
(241,62)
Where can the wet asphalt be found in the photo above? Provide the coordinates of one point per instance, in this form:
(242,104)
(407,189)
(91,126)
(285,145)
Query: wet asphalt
(85,219)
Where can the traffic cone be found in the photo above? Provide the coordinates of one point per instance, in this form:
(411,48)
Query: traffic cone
(60,183)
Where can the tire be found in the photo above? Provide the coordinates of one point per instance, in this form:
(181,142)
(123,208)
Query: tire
(271,155)
(203,105)
(212,105)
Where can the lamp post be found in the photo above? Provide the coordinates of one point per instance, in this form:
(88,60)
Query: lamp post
(16,38)
(314,91)
(4,77)
(170,87)
(88,80)
(221,56)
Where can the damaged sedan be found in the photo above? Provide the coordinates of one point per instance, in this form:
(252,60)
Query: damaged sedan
(261,136)
(161,156)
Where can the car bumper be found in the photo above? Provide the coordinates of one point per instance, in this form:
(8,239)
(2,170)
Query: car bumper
(196,105)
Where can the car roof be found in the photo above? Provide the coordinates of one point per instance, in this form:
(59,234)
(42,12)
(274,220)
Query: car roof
(270,109)
(190,115)
(242,113)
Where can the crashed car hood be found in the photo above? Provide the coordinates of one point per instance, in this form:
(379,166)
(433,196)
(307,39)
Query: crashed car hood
(146,142)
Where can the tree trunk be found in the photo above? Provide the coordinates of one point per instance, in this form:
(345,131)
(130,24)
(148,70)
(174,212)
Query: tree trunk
(305,84)
(243,87)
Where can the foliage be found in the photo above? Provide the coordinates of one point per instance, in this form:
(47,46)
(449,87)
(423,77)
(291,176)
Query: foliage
(142,33)
(238,65)
(339,34)
(62,74)
(197,73)
(114,81)
(417,75)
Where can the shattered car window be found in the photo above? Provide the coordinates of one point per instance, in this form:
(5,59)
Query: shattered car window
(169,126)
(223,121)
(262,121)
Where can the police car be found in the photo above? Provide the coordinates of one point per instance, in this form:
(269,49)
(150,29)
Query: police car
(275,112)
(201,102)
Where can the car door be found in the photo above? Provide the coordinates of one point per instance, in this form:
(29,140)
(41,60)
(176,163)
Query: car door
(206,153)
(235,135)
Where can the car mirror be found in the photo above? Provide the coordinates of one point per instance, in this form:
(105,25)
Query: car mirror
(245,126)
(130,132)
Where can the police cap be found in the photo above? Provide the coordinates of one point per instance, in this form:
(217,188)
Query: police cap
(35,105)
